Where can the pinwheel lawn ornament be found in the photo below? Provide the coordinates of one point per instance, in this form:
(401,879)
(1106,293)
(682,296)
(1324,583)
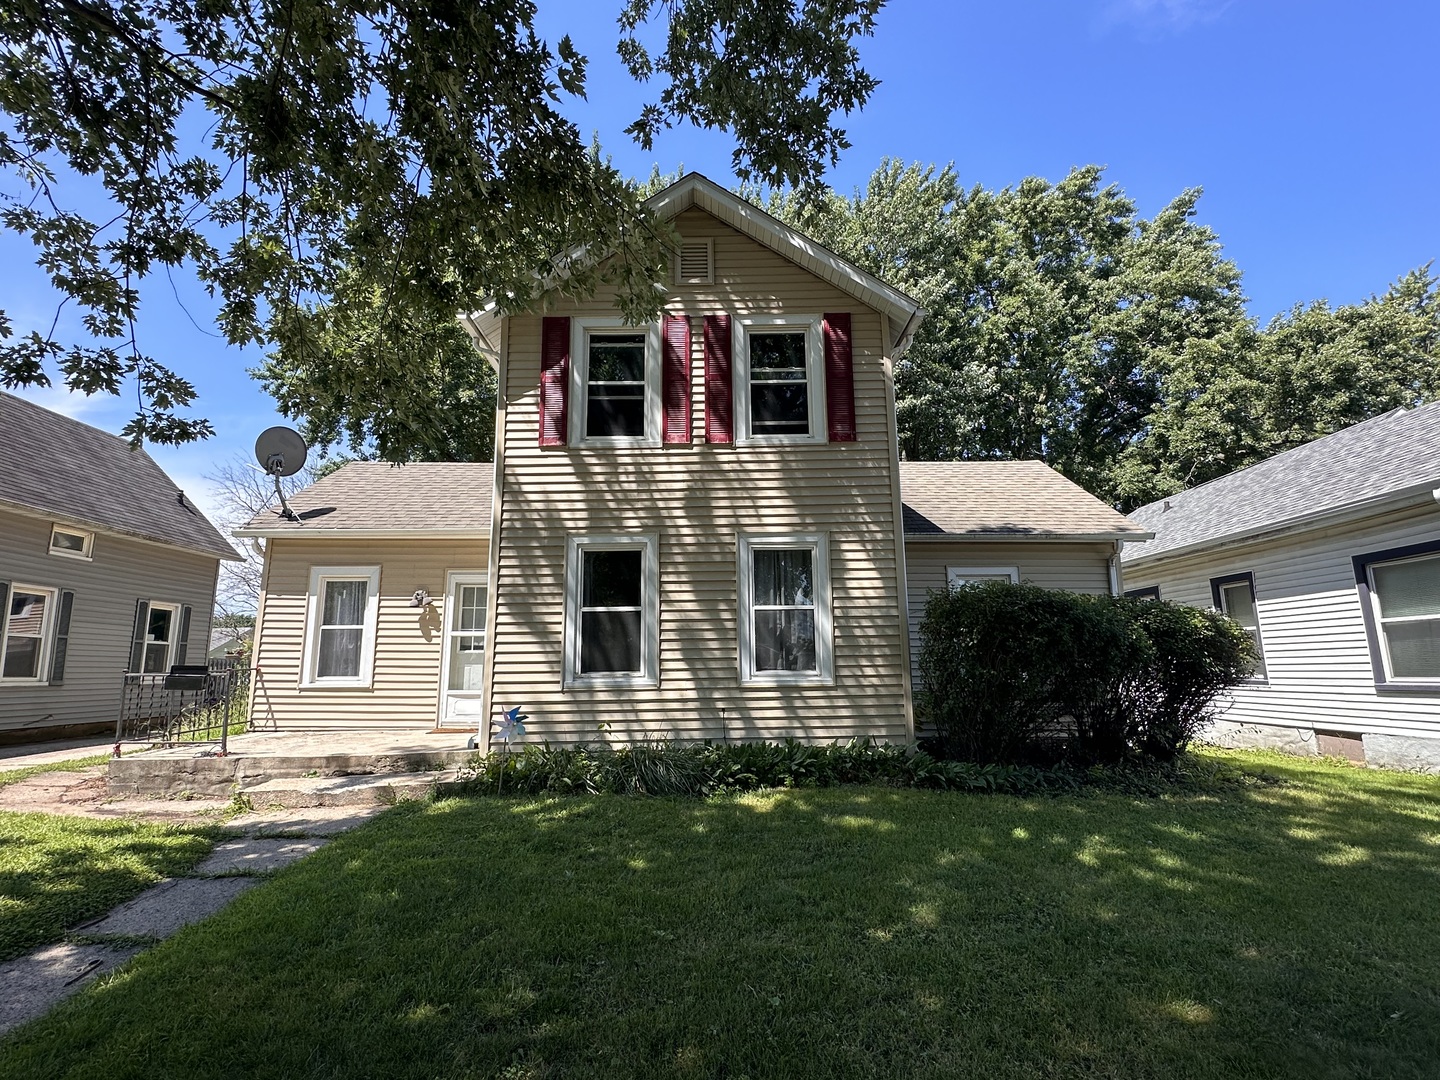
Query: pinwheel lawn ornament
(512,726)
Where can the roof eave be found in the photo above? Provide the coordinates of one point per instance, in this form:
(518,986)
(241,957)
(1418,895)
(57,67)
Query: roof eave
(1041,537)
(41,514)
(300,532)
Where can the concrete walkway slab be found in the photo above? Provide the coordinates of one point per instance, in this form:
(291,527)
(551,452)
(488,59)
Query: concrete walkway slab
(256,855)
(311,821)
(31,985)
(23,755)
(168,907)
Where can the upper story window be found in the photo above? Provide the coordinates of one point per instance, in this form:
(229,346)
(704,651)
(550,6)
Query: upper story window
(340,625)
(26,629)
(779,379)
(71,543)
(1235,596)
(615,384)
(1400,599)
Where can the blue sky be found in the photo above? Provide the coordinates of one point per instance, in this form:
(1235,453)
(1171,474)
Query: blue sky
(1312,127)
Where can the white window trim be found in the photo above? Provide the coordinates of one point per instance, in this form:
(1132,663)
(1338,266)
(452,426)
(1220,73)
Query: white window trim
(86,553)
(960,575)
(171,645)
(577,399)
(741,327)
(313,612)
(1381,621)
(47,626)
(824,673)
(649,674)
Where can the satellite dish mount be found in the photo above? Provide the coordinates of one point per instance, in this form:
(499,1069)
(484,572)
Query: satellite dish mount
(281,452)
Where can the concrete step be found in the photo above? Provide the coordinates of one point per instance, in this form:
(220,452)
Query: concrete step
(297,792)
(174,772)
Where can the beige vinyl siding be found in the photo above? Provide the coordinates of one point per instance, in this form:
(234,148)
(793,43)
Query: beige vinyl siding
(1078,567)
(1311,626)
(408,641)
(102,620)
(696,499)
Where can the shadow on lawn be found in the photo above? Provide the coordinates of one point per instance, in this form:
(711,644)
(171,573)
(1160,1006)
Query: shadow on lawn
(1267,931)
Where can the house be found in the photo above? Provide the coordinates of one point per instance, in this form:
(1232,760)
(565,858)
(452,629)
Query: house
(1329,554)
(231,641)
(694,528)
(105,568)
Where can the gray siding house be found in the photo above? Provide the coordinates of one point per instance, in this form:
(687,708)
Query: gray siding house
(105,568)
(1330,555)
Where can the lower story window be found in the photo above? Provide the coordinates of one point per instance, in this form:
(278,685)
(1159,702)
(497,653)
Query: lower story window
(27,624)
(785,609)
(955,576)
(1404,613)
(1235,596)
(612,611)
(343,605)
(161,624)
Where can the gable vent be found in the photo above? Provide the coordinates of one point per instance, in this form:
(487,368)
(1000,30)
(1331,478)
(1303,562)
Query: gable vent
(696,264)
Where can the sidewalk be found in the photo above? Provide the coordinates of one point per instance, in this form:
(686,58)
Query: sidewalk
(44,753)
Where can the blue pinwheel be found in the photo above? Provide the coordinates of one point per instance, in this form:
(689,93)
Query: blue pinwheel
(512,726)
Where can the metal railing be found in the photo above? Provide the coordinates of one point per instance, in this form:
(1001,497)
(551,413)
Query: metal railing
(191,703)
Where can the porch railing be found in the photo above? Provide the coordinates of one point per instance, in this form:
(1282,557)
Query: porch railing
(188,704)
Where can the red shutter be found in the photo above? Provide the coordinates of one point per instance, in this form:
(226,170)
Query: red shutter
(719,399)
(839,378)
(675,378)
(554,378)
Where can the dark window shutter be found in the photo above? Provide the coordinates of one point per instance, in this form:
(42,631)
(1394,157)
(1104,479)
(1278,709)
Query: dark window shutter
(61,644)
(137,642)
(554,378)
(675,378)
(184,635)
(839,378)
(719,395)
(4,608)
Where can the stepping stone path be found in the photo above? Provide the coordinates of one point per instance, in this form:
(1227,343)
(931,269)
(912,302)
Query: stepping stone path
(33,984)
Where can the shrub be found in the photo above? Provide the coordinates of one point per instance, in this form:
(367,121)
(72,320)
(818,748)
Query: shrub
(1018,674)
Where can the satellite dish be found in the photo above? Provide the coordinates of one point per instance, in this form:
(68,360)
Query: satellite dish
(280,451)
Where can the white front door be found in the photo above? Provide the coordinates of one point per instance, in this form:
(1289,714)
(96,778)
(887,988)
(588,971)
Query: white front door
(463,674)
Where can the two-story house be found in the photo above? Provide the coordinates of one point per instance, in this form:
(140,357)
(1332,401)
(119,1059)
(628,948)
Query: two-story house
(694,528)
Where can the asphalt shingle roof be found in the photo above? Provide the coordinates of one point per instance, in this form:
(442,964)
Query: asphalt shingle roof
(53,465)
(1384,456)
(371,495)
(1004,500)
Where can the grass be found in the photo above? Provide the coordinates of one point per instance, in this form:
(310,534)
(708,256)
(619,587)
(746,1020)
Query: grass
(1229,930)
(24,772)
(58,871)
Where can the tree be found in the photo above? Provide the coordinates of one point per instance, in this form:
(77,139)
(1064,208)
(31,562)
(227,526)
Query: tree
(1249,394)
(304,156)
(1053,308)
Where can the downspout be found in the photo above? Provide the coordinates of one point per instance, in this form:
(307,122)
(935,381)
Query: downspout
(1115,568)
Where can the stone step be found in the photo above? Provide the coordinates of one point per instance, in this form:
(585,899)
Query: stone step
(296,792)
(172,772)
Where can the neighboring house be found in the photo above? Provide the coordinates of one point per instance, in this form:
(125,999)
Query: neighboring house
(229,641)
(105,568)
(1329,555)
(698,527)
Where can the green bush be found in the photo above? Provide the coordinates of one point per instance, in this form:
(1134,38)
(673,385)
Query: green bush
(1016,674)
(664,768)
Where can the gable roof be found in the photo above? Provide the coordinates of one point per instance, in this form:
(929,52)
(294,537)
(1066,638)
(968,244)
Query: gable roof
(1387,459)
(368,498)
(1004,500)
(53,466)
(696,190)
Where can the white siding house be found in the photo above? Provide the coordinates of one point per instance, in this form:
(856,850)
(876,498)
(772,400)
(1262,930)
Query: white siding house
(1330,553)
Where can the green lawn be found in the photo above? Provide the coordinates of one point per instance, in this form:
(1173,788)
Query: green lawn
(57,871)
(1269,930)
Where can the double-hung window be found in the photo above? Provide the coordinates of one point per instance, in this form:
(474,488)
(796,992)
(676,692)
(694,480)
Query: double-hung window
(615,383)
(161,634)
(612,611)
(780,379)
(340,622)
(1234,595)
(785,628)
(1400,598)
(29,613)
